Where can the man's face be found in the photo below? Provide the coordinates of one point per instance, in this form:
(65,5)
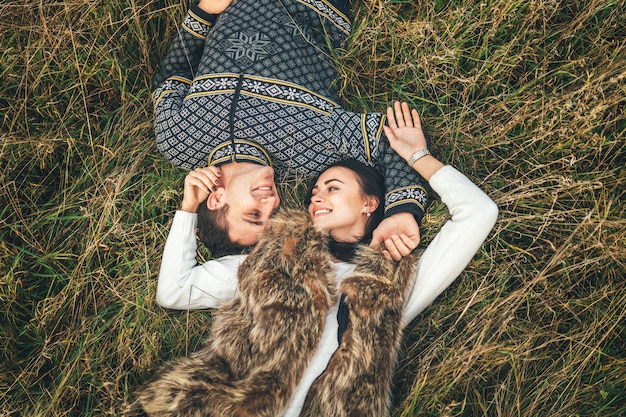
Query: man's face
(252,198)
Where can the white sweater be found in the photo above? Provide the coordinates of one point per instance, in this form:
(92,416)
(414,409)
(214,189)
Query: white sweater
(185,285)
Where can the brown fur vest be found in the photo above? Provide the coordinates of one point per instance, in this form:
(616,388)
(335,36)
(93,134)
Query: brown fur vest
(357,380)
(261,343)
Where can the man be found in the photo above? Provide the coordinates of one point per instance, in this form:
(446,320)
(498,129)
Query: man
(248,87)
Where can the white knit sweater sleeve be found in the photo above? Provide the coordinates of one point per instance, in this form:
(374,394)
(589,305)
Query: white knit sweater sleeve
(473,215)
(185,285)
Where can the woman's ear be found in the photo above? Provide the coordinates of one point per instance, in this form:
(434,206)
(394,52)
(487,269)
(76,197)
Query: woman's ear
(215,200)
(371,203)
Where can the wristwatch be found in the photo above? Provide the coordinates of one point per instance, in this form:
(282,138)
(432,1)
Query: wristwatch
(417,155)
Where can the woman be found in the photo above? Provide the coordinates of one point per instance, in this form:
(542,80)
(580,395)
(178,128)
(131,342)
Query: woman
(185,285)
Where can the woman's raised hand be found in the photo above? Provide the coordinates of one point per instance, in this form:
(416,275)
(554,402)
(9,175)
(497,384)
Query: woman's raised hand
(199,183)
(214,6)
(406,137)
(405,130)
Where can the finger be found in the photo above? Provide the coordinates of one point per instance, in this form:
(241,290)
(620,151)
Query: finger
(200,179)
(215,170)
(389,133)
(376,241)
(393,250)
(386,254)
(210,171)
(406,114)
(410,241)
(391,117)
(402,248)
(416,119)
(210,176)
(399,116)
(194,181)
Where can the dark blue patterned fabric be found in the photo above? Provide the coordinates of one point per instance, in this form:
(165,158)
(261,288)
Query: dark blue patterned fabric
(256,84)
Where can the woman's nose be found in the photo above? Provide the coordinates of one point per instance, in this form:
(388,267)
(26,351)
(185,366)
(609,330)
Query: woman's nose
(317,198)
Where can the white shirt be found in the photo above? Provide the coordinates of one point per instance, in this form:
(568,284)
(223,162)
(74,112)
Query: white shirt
(184,285)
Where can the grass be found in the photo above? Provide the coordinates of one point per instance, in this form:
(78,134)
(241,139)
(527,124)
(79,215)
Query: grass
(526,98)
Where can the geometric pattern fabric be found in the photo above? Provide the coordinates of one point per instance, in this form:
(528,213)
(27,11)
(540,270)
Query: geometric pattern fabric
(258,83)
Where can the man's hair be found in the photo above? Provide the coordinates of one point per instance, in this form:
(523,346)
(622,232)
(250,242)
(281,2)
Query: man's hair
(213,232)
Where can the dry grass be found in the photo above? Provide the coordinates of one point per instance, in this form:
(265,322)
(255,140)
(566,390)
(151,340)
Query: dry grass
(526,97)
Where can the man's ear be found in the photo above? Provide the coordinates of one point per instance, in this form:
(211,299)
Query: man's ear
(215,200)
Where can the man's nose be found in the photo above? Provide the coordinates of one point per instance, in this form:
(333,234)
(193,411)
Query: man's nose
(268,205)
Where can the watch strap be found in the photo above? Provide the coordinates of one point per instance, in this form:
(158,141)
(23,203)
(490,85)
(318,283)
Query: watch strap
(417,155)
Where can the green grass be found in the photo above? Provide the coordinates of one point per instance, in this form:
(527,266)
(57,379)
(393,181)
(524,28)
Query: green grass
(526,97)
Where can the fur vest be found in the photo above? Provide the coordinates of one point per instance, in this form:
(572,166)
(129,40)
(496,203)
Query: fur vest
(262,342)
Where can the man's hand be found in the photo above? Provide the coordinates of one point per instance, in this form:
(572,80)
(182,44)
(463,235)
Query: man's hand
(199,183)
(214,6)
(400,233)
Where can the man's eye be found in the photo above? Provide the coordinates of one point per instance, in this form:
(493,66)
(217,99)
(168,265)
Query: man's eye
(255,214)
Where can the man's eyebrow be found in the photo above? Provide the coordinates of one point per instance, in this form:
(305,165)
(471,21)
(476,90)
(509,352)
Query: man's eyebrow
(256,223)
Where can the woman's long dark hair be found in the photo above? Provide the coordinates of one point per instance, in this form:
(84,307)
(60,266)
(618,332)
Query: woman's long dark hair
(372,183)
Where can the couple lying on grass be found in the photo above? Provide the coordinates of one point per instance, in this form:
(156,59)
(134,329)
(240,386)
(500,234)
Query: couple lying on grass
(310,321)
(280,343)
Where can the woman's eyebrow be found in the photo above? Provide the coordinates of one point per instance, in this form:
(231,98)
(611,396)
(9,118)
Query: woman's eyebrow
(331,180)
(315,187)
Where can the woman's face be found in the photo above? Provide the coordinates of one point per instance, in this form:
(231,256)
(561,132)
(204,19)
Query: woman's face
(339,206)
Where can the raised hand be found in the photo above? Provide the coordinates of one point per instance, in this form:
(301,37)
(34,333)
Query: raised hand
(214,6)
(405,130)
(199,183)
